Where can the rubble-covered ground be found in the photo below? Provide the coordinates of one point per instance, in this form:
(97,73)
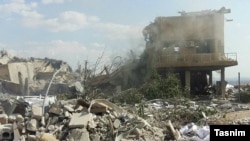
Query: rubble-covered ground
(44,100)
(33,118)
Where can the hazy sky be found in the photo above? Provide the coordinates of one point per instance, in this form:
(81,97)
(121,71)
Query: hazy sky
(78,30)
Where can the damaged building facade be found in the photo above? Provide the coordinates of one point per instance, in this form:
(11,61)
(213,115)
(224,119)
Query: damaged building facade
(31,76)
(191,45)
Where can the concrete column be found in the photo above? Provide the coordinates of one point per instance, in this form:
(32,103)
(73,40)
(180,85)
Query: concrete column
(187,81)
(223,85)
(21,84)
(210,78)
(26,87)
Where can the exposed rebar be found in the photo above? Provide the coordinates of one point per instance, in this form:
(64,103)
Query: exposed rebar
(49,87)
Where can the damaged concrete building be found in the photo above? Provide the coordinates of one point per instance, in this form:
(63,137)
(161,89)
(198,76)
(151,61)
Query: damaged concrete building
(17,75)
(191,45)
(31,76)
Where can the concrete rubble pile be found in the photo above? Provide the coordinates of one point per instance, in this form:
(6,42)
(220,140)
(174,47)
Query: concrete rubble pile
(36,118)
(74,120)
(178,111)
(179,116)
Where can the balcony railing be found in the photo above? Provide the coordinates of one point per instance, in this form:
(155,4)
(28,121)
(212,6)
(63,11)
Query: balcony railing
(204,59)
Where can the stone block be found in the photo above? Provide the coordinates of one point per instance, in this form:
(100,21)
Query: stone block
(68,108)
(36,112)
(32,125)
(55,109)
(79,120)
(3,118)
(79,135)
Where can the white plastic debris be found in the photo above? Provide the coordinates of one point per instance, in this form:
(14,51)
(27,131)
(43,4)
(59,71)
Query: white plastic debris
(203,132)
(198,133)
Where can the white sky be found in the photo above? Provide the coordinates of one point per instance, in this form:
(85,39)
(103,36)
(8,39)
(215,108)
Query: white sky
(79,30)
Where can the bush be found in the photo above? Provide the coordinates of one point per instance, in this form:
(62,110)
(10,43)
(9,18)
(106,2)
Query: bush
(133,97)
(245,97)
(162,87)
(130,96)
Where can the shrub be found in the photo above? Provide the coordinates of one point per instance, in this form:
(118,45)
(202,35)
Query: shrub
(162,87)
(130,96)
(244,97)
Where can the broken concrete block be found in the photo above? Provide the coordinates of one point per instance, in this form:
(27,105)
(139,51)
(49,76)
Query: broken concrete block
(46,137)
(95,137)
(43,121)
(23,130)
(54,120)
(3,118)
(104,103)
(20,126)
(79,120)
(41,129)
(79,108)
(55,109)
(36,112)
(99,125)
(31,137)
(68,108)
(79,135)
(66,114)
(99,110)
(117,123)
(46,116)
(92,124)
(51,127)
(19,118)
(141,123)
(12,118)
(16,132)
(32,125)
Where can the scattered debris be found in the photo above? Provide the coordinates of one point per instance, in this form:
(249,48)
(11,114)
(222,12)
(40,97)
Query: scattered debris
(43,100)
(100,119)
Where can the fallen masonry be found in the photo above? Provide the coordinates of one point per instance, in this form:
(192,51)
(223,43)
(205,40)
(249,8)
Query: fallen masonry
(64,121)
(100,119)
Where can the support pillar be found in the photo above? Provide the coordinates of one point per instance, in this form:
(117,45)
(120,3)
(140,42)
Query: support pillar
(223,84)
(187,81)
(210,78)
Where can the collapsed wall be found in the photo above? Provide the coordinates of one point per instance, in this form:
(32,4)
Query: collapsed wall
(31,76)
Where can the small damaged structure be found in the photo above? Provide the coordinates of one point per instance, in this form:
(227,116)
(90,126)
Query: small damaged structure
(32,76)
(191,45)
(17,75)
